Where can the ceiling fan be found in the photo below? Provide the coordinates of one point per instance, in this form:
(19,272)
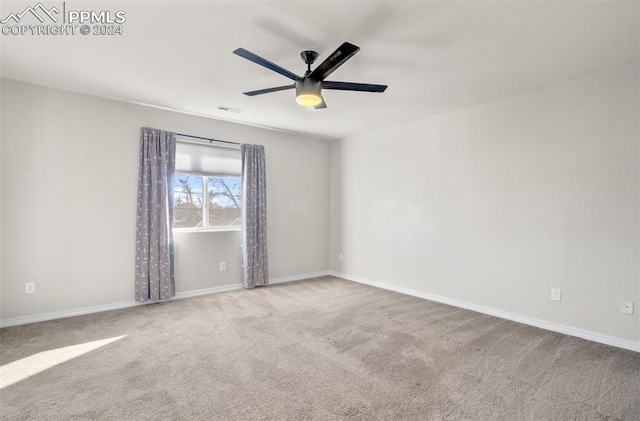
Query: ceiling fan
(309,87)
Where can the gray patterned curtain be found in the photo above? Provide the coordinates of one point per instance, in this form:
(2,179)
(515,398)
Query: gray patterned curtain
(254,217)
(154,236)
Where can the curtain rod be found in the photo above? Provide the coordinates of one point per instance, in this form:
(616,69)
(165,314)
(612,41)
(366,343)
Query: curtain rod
(210,139)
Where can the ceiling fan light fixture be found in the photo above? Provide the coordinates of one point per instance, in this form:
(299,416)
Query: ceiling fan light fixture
(308,99)
(308,93)
(309,87)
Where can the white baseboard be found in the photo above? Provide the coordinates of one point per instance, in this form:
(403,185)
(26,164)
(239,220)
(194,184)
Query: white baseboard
(206,291)
(543,324)
(41,317)
(298,277)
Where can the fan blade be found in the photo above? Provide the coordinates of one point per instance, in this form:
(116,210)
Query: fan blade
(265,63)
(321,105)
(269,90)
(335,60)
(350,86)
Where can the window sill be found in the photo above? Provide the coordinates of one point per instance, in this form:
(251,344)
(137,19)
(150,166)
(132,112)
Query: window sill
(220,229)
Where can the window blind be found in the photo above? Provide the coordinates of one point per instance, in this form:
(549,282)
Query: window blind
(207,159)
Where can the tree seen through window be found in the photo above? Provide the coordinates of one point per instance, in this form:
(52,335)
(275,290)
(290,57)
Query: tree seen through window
(221,194)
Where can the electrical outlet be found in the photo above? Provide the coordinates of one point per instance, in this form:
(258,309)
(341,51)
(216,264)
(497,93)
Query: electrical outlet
(30,288)
(223,266)
(340,257)
(627,307)
(556,294)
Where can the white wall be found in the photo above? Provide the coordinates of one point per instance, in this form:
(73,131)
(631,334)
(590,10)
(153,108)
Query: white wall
(492,205)
(498,203)
(69,174)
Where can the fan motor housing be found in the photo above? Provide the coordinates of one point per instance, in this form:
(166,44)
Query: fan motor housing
(308,92)
(307,85)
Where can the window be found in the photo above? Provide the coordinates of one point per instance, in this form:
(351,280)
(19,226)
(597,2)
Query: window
(206,202)
(207,188)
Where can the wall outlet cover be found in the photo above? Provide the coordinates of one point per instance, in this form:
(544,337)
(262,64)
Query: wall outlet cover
(556,294)
(627,307)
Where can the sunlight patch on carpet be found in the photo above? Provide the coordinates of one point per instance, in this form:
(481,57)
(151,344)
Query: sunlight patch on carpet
(19,370)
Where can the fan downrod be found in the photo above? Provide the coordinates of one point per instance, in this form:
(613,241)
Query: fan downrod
(308,57)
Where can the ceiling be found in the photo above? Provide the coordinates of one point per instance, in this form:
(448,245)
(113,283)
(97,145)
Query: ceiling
(436,56)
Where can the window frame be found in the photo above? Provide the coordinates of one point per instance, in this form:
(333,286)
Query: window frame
(205,204)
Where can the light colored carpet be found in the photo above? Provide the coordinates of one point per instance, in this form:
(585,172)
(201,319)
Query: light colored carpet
(322,349)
